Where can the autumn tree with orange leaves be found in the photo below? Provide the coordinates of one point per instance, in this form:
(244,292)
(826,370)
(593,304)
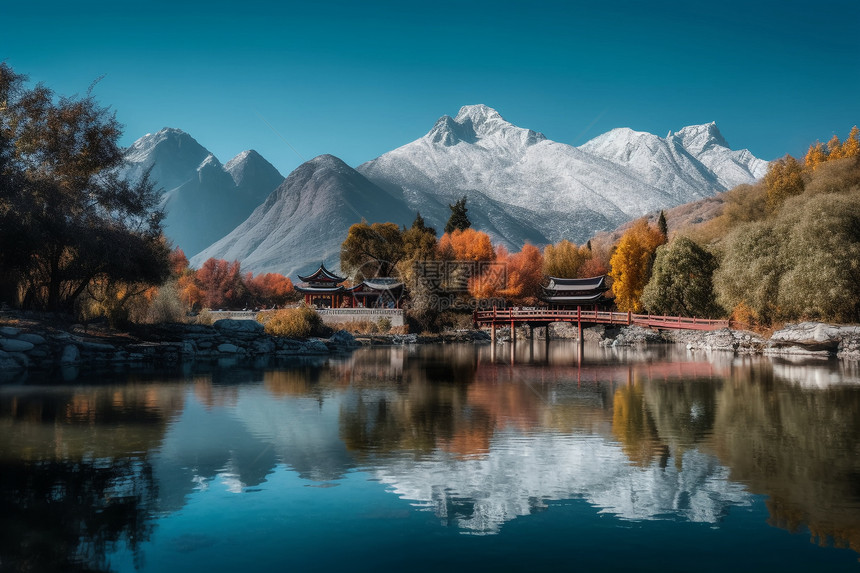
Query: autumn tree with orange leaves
(466,245)
(631,264)
(221,284)
(514,276)
(270,289)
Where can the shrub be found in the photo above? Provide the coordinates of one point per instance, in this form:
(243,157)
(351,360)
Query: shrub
(298,322)
(383,324)
(165,306)
(681,281)
(205,318)
(800,265)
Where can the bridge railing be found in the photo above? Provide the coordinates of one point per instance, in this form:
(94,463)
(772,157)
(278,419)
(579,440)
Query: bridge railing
(502,315)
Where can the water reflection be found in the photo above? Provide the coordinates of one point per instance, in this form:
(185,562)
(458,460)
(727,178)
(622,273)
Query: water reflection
(474,437)
(75,474)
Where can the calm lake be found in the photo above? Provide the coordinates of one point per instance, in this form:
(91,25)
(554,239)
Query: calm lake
(439,458)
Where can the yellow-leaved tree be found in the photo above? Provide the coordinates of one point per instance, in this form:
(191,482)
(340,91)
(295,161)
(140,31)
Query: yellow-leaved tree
(834,148)
(784,179)
(815,156)
(851,146)
(631,264)
(564,259)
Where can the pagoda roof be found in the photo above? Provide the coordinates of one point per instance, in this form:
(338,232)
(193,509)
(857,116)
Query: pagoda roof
(558,284)
(580,299)
(322,274)
(311,289)
(378,284)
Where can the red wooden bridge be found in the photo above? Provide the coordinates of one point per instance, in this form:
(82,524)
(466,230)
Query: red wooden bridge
(543,316)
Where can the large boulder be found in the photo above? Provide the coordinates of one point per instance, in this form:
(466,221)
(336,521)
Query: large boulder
(342,339)
(12,345)
(36,339)
(813,335)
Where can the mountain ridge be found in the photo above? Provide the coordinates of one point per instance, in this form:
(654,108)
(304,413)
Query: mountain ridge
(203,199)
(521,187)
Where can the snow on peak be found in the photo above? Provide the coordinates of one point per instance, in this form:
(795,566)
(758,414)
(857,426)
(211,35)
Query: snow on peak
(479,114)
(622,144)
(448,132)
(477,122)
(167,140)
(244,157)
(252,168)
(152,139)
(327,161)
(210,161)
(696,138)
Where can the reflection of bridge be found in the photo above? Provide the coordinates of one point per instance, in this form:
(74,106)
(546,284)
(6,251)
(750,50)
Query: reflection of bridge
(543,317)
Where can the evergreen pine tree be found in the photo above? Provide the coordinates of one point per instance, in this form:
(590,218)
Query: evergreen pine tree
(419,225)
(662,226)
(458,221)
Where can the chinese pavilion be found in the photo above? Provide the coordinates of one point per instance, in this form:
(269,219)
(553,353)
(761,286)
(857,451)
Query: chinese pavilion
(576,292)
(380,292)
(322,289)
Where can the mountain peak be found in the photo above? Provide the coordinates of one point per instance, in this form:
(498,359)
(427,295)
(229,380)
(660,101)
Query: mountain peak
(211,162)
(247,155)
(699,137)
(327,161)
(176,140)
(448,132)
(479,114)
(476,122)
(250,166)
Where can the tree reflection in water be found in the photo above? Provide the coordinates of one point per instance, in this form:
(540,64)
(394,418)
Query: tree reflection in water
(797,444)
(67,516)
(75,475)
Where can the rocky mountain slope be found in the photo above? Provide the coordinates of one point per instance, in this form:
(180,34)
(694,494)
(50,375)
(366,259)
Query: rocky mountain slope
(556,190)
(304,221)
(204,200)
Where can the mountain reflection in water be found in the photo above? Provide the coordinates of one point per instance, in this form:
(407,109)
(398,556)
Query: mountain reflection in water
(477,435)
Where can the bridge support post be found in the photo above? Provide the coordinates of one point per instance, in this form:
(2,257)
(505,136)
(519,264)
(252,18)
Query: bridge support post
(513,331)
(546,343)
(493,333)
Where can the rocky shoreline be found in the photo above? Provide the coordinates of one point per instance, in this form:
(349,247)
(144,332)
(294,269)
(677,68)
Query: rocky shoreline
(33,345)
(809,339)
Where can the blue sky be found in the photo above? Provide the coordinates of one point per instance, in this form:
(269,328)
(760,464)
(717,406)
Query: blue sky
(357,79)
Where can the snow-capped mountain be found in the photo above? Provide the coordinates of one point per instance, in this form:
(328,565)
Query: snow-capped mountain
(204,200)
(516,175)
(304,221)
(520,187)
